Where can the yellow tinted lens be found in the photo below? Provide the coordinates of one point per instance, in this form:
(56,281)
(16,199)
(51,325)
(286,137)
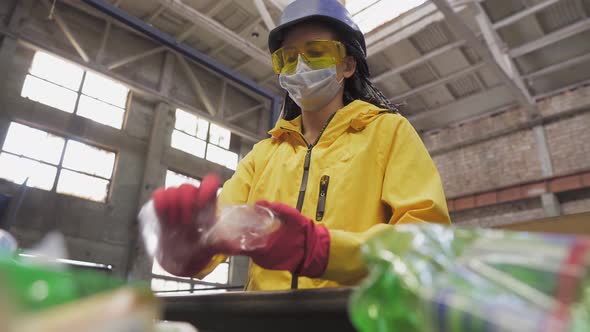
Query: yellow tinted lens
(285,59)
(324,53)
(277,61)
(318,54)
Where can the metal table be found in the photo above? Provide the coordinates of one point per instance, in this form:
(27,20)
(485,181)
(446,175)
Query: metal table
(300,310)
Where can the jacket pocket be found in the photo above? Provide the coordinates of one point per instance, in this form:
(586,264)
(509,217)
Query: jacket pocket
(321,208)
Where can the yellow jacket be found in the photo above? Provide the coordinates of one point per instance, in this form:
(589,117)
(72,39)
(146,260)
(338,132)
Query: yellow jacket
(380,174)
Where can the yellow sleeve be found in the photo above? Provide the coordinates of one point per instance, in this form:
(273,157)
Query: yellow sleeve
(235,191)
(411,188)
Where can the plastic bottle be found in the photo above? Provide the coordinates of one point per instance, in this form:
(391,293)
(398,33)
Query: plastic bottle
(433,278)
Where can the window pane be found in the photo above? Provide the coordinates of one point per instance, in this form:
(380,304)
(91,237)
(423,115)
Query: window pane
(49,94)
(191,124)
(186,122)
(83,186)
(88,159)
(17,169)
(220,275)
(105,89)
(202,128)
(33,143)
(188,144)
(101,112)
(222,157)
(169,285)
(219,136)
(174,179)
(57,70)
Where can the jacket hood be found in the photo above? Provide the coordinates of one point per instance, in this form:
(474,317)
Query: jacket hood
(356,115)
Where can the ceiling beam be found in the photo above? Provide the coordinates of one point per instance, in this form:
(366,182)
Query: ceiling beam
(263,11)
(458,74)
(522,14)
(558,67)
(154,15)
(499,52)
(197,87)
(240,114)
(425,58)
(132,58)
(103,42)
(551,38)
(189,13)
(462,109)
(245,31)
(461,30)
(278,5)
(67,32)
(135,57)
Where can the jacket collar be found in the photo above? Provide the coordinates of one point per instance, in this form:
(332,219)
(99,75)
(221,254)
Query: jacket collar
(356,116)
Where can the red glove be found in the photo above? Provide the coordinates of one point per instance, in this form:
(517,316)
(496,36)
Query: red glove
(185,213)
(299,245)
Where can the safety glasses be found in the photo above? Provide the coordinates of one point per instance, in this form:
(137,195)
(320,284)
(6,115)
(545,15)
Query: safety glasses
(318,54)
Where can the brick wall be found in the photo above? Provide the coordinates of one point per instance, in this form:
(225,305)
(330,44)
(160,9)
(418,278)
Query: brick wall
(575,202)
(569,143)
(496,163)
(500,150)
(500,214)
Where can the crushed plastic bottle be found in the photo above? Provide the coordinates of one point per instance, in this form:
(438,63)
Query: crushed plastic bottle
(434,278)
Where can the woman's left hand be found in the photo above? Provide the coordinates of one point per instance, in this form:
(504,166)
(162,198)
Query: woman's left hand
(299,245)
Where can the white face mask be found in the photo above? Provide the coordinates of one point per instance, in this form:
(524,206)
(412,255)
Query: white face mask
(311,89)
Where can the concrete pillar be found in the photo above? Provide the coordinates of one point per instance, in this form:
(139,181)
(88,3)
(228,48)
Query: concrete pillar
(139,264)
(7,51)
(551,205)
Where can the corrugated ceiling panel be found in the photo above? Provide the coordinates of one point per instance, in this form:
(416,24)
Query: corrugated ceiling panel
(418,76)
(500,9)
(559,15)
(464,86)
(233,17)
(432,37)
(471,55)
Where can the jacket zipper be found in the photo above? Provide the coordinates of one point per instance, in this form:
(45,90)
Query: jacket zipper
(324,182)
(303,187)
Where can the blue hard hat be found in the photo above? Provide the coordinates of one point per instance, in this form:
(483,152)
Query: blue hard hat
(330,11)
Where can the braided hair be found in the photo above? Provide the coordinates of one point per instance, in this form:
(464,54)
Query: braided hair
(358,86)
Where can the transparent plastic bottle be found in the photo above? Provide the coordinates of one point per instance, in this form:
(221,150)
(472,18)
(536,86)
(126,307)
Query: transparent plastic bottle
(433,278)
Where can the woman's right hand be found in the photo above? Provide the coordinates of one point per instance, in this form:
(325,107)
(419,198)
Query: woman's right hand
(185,214)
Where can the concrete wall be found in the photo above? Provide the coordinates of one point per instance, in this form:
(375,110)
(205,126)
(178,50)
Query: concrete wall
(500,151)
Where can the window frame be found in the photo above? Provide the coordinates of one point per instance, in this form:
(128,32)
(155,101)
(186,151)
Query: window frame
(207,141)
(193,282)
(59,165)
(79,92)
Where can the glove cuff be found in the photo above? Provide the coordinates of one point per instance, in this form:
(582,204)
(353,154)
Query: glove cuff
(317,251)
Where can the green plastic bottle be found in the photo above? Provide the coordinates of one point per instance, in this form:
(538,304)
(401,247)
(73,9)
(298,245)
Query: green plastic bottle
(432,278)
(33,288)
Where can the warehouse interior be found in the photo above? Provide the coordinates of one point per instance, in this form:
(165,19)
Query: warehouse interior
(103,102)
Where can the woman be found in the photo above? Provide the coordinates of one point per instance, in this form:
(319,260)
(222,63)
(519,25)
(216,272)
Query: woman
(341,165)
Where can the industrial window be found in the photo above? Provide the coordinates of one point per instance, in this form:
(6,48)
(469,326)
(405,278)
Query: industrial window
(371,14)
(174,179)
(55,163)
(217,280)
(67,87)
(198,137)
